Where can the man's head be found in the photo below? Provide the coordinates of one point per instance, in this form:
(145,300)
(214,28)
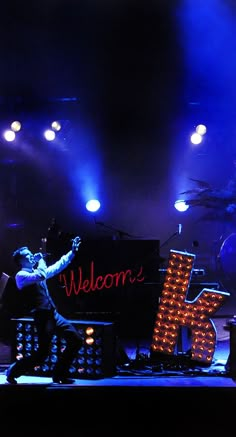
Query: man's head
(23,257)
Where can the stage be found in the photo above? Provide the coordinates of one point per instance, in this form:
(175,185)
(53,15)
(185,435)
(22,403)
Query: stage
(140,398)
(196,405)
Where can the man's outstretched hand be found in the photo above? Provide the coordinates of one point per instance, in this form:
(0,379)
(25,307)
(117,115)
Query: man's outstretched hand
(75,244)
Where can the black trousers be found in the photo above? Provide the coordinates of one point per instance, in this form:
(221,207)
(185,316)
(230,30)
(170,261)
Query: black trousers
(48,323)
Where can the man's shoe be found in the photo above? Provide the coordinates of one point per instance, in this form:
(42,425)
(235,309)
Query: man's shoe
(10,378)
(62,380)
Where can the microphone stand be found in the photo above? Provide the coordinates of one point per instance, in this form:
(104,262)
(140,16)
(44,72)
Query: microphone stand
(169,239)
(118,232)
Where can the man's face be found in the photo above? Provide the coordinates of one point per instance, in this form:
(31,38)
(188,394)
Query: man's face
(27,258)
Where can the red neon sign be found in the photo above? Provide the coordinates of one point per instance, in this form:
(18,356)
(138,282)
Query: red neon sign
(77,283)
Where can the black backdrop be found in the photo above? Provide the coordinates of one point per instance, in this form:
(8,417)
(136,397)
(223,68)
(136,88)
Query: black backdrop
(131,305)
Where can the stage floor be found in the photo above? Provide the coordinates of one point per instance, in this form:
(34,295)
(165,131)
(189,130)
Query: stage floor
(141,398)
(137,405)
(134,367)
(139,370)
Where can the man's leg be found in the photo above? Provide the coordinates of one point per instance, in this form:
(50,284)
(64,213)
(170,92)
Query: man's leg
(45,325)
(74,342)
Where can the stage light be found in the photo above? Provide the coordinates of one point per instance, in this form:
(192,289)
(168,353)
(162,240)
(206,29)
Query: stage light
(201,129)
(89,340)
(89,330)
(96,358)
(196,138)
(93,205)
(9,135)
(56,126)
(49,135)
(16,126)
(181,206)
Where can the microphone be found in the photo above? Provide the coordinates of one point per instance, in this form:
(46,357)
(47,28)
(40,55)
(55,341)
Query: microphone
(40,255)
(179,228)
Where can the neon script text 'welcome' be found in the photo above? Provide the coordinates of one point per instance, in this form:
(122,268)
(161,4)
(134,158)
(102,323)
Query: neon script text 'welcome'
(75,284)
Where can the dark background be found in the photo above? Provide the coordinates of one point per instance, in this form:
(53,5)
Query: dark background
(130,81)
(132,304)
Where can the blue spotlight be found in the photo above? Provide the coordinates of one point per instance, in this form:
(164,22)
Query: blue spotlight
(49,135)
(9,135)
(196,138)
(181,206)
(93,205)
(201,129)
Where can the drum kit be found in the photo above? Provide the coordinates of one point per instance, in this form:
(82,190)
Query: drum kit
(220,205)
